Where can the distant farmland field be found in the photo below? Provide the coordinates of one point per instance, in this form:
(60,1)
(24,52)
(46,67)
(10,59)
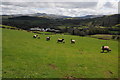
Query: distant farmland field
(26,57)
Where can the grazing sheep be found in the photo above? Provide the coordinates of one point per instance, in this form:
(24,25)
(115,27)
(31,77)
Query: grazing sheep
(72,41)
(35,36)
(47,38)
(60,40)
(105,48)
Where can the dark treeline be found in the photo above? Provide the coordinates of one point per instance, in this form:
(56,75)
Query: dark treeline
(100,25)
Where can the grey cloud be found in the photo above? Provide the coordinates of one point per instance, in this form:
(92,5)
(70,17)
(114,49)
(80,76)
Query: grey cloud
(14,9)
(53,4)
(50,0)
(119,7)
(108,5)
(60,8)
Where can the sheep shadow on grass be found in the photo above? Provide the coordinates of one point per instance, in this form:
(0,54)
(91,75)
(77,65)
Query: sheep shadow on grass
(104,52)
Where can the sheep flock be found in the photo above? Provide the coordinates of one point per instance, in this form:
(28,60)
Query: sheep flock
(72,41)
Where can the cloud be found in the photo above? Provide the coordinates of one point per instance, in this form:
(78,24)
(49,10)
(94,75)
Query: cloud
(74,9)
(109,5)
(49,0)
(119,7)
(53,4)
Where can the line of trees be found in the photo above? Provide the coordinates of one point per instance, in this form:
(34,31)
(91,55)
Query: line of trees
(91,31)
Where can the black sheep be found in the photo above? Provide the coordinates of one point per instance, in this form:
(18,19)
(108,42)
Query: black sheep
(60,40)
(47,38)
(106,48)
(35,36)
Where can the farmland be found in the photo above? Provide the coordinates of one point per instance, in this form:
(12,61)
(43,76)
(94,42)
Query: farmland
(26,57)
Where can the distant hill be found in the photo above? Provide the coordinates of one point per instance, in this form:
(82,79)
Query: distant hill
(91,16)
(28,18)
(53,16)
(42,21)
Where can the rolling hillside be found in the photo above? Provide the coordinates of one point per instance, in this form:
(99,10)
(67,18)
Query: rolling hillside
(107,24)
(44,21)
(26,57)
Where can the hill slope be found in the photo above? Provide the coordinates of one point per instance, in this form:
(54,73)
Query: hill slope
(25,22)
(25,57)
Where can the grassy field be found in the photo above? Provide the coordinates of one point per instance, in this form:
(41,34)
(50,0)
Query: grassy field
(105,37)
(26,57)
(0,53)
(7,26)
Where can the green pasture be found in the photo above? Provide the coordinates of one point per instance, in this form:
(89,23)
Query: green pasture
(26,57)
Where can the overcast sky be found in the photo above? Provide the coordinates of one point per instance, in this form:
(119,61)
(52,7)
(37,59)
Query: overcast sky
(72,8)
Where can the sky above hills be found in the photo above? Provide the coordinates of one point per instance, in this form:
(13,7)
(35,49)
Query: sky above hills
(74,8)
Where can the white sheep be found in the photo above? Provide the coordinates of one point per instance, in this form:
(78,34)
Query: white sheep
(47,38)
(72,41)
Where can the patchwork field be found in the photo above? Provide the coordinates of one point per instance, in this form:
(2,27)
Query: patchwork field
(26,57)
